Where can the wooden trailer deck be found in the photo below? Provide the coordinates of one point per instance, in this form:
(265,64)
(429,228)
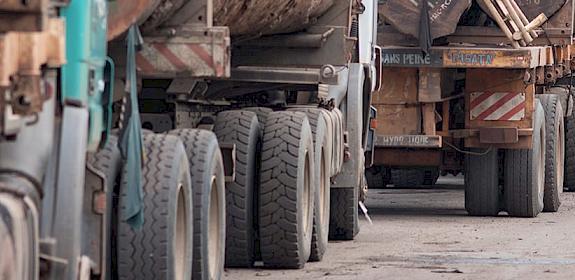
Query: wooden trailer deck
(470,57)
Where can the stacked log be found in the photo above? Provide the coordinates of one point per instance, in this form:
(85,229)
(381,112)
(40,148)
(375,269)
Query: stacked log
(243,17)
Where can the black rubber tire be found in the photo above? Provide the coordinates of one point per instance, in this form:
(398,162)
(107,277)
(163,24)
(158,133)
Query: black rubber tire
(242,129)
(261,112)
(286,192)
(8,256)
(554,151)
(524,173)
(148,252)
(569,167)
(430,176)
(206,165)
(108,161)
(376,177)
(482,190)
(407,178)
(344,220)
(318,120)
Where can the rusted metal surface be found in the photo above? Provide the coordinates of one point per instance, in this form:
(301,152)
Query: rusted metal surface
(22,86)
(243,17)
(407,157)
(408,141)
(124,13)
(467,57)
(498,135)
(197,52)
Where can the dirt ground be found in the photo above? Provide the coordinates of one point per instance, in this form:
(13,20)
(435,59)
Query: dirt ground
(426,234)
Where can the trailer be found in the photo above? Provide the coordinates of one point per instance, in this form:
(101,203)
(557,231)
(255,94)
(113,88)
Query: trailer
(483,100)
(217,133)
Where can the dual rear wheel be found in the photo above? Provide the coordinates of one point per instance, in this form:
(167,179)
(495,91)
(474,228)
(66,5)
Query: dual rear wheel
(521,182)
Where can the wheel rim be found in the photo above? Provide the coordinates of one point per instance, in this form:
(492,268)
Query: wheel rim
(306,193)
(214,230)
(560,154)
(182,226)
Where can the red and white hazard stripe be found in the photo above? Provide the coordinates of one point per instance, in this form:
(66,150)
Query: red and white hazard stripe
(157,58)
(497,106)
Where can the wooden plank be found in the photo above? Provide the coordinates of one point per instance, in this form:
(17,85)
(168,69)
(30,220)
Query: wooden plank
(405,15)
(429,119)
(396,103)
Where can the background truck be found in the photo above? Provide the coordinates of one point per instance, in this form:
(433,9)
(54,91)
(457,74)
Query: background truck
(466,93)
(256,122)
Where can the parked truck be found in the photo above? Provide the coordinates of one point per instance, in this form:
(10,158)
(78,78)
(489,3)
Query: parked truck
(481,88)
(217,133)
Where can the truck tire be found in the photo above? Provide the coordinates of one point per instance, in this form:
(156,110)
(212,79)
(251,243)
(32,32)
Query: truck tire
(524,173)
(377,177)
(322,134)
(108,162)
(407,178)
(8,256)
(430,176)
(338,142)
(286,191)
(344,220)
(208,185)
(554,151)
(482,191)
(261,112)
(569,168)
(242,129)
(162,248)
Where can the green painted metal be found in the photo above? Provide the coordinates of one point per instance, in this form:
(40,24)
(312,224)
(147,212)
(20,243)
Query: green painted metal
(83,74)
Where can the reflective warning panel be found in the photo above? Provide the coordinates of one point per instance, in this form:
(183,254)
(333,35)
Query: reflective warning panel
(497,106)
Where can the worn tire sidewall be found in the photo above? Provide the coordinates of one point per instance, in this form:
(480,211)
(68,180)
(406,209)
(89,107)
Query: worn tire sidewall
(537,153)
(217,170)
(305,151)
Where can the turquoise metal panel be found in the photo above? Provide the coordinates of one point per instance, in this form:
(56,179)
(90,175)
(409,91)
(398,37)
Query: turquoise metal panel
(86,47)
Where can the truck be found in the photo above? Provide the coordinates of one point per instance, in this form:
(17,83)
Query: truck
(166,139)
(481,88)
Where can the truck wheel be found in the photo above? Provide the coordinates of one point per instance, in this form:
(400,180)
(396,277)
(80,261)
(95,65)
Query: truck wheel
(162,248)
(108,163)
(322,134)
(338,141)
(344,221)
(524,176)
(261,112)
(407,178)
(430,176)
(570,153)
(377,177)
(242,129)
(554,151)
(482,192)
(286,191)
(208,185)
(7,263)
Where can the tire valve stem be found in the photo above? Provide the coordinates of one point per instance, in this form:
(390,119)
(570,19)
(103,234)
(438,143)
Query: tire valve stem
(364,210)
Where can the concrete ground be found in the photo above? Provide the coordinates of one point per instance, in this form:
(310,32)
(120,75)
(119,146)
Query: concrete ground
(426,234)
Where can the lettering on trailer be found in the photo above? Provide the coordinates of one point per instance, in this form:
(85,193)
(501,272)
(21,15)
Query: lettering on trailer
(497,106)
(416,141)
(410,58)
(471,58)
